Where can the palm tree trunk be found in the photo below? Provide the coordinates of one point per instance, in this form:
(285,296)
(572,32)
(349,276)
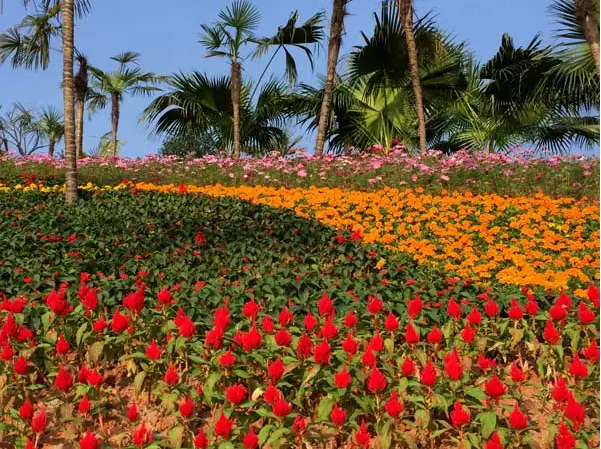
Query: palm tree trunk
(114,120)
(347,148)
(406,12)
(336,23)
(586,13)
(51,143)
(68,100)
(79,130)
(236,86)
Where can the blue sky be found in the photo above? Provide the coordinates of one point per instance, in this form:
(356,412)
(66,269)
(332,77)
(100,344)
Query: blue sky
(166,34)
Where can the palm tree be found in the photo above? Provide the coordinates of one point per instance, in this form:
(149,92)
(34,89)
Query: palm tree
(50,124)
(126,80)
(203,106)
(81,90)
(586,13)
(336,25)
(406,13)
(225,39)
(67,9)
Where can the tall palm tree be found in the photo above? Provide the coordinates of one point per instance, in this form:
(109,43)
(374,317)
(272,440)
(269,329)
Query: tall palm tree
(235,28)
(586,13)
(199,105)
(81,90)
(68,27)
(406,13)
(126,80)
(336,25)
(50,124)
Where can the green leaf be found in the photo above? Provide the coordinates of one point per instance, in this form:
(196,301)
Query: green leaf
(489,423)
(264,433)
(95,351)
(176,436)
(476,393)
(80,332)
(422,418)
(324,408)
(276,435)
(139,381)
(209,386)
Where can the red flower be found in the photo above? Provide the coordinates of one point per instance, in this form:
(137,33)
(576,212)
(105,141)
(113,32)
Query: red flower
(338,415)
(100,325)
(223,426)
(250,309)
(574,411)
(558,311)
(267,325)
(494,442)
(271,394)
(250,440)
(135,301)
(88,298)
(485,363)
(282,337)
(531,307)
(213,337)
(392,406)
(376,343)
(350,319)
(82,374)
(362,436)
(414,307)
(221,317)
(391,323)
(235,393)
(591,352)
(564,438)
(460,416)
(26,410)
(560,391)
(517,420)
(310,321)
(275,370)
(515,312)
(280,407)
(299,425)
(227,359)
(468,334)
(325,306)
(171,377)
(7,353)
(153,351)
(474,317)
(142,435)
(374,305)
(454,309)
(342,378)
(593,295)
(494,387)
(329,330)
(89,441)
(408,367)
(165,298)
(304,346)
(368,358)
(550,334)
(119,322)
(428,376)
(186,408)
(84,405)
(63,380)
(376,381)
(322,353)
(94,378)
(62,345)
(185,325)
(578,368)
(132,412)
(411,334)
(200,440)
(350,345)
(453,366)
(57,302)
(434,336)
(38,422)
(285,317)
(585,315)
(517,375)
(491,308)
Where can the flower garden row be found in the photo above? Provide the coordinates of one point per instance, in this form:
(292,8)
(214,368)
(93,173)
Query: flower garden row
(513,174)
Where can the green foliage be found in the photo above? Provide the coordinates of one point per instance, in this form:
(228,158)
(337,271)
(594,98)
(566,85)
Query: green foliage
(190,144)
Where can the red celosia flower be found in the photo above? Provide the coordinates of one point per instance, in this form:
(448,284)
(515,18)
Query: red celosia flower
(250,309)
(593,295)
(414,307)
(132,412)
(585,315)
(393,406)
(551,334)
(235,393)
(200,440)
(338,415)
(213,338)
(100,325)
(452,366)
(374,305)
(299,425)
(57,302)
(454,309)
(517,419)
(408,367)
(271,393)
(250,440)
(283,337)
(342,378)
(494,442)
(325,306)
(285,317)
(142,435)
(468,334)
(411,334)
(89,441)
(185,326)
(564,438)
(223,426)
(558,311)
(267,325)
(531,307)
(88,297)
(310,321)
(221,317)
(460,416)
(368,358)
(578,368)
(329,330)
(26,410)
(62,345)
(517,375)
(84,405)
(63,380)
(474,317)
(153,351)
(560,391)
(275,370)
(119,322)
(376,343)
(227,359)
(322,353)
(135,301)
(24,334)
(7,353)
(485,363)
(491,308)
(165,297)
(350,319)
(591,352)
(434,336)
(391,323)
(428,376)
(304,346)
(350,345)
(171,377)
(94,378)
(362,436)
(515,312)
(376,381)
(494,387)
(280,407)
(574,411)
(186,408)
(38,422)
